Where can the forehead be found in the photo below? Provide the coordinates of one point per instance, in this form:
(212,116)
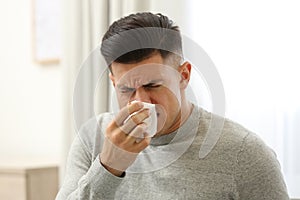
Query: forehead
(119,69)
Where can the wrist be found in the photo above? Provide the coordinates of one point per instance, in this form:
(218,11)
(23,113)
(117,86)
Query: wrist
(113,171)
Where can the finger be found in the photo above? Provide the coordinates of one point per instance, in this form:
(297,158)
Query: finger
(137,144)
(144,135)
(140,116)
(128,126)
(138,131)
(134,120)
(126,111)
(141,144)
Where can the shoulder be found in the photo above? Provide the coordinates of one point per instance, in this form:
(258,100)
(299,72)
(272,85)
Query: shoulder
(230,138)
(235,147)
(224,131)
(96,122)
(92,131)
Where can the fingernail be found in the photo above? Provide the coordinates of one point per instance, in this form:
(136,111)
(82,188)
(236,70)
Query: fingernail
(140,104)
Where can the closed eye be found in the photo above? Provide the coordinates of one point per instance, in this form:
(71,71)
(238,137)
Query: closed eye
(125,89)
(152,85)
(155,84)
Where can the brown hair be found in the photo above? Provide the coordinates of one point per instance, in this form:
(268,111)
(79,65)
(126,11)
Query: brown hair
(138,36)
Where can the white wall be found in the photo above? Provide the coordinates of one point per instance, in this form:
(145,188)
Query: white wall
(255,46)
(175,10)
(31,94)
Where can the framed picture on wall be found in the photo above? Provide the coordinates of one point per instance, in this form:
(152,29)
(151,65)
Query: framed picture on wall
(46,31)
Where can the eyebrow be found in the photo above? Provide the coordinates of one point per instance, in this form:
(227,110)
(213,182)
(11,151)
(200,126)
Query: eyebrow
(124,87)
(152,82)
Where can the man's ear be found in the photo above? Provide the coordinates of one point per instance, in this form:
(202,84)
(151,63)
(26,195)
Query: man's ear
(112,78)
(185,73)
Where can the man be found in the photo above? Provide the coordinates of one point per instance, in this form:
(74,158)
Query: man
(116,157)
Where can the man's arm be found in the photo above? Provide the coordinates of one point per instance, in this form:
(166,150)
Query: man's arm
(125,138)
(258,172)
(85,178)
(98,179)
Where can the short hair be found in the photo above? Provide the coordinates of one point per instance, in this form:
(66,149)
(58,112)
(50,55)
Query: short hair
(137,37)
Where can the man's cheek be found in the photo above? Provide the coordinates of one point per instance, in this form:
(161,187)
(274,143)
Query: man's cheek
(161,116)
(123,99)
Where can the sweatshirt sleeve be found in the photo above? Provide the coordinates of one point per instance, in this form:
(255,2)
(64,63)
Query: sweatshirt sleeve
(86,179)
(258,172)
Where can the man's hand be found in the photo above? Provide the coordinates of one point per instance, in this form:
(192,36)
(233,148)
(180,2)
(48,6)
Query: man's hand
(125,138)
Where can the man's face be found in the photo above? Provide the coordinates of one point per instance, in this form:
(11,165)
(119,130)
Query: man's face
(153,82)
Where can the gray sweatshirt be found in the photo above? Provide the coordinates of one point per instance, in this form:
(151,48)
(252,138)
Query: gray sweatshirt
(239,166)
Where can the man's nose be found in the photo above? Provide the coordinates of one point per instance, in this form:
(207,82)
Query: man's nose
(141,94)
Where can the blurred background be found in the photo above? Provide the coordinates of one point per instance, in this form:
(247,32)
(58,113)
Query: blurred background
(255,46)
